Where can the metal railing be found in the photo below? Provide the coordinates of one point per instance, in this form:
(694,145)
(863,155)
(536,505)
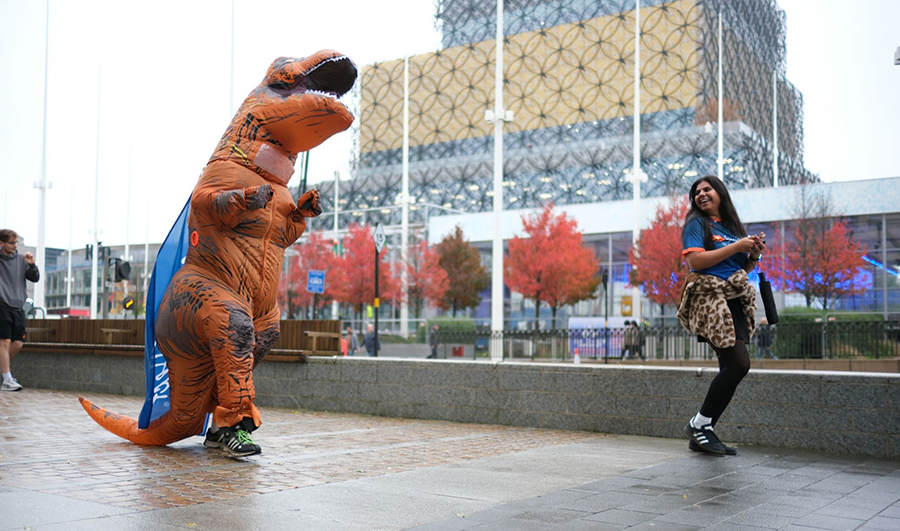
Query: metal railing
(828,340)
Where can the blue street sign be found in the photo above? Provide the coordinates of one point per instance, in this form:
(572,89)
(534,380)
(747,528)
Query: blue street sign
(316,281)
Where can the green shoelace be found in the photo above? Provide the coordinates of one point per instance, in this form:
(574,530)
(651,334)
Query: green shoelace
(243,436)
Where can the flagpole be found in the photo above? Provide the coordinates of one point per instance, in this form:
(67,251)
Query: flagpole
(775,129)
(42,185)
(404,208)
(96,251)
(499,115)
(720,160)
(637,175)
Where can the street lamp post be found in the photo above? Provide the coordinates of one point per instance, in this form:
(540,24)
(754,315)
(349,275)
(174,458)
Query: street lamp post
(498,116)
(605,280)
(637,176)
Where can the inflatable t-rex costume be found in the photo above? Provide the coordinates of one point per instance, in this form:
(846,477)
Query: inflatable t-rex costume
(219,315)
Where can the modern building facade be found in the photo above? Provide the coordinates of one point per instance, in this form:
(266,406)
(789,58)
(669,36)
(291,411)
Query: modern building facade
(569,82)
(57,291)
(869,207)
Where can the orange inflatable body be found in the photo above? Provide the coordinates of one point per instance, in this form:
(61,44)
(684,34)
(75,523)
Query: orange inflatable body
(219,315)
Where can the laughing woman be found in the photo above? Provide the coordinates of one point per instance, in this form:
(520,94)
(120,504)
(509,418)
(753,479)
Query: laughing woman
(717,302)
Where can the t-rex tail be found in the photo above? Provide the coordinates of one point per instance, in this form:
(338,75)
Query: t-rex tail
(168,428)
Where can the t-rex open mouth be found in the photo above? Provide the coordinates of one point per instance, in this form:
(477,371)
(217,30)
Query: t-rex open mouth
(325,73)
(333,77)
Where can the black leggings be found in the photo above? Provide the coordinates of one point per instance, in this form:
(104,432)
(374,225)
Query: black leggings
(734,363)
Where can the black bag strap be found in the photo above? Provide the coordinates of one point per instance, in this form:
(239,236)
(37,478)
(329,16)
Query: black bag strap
(765,291)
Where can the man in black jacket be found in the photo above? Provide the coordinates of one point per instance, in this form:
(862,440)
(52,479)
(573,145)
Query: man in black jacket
(765,338)
(371,341)
(15,269)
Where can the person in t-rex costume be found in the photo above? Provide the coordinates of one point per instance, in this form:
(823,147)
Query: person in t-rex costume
(219,315)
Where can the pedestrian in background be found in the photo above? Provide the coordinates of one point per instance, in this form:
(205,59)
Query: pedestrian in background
(717,301)
(373,344)
(353,345)
(433,341)
(637,340)
(15,269)
(626,340)
(765,338)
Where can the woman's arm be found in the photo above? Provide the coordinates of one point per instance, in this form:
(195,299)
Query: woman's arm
(755,253)
(698,260)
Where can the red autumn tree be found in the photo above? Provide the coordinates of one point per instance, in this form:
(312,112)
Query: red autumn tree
(551,265)
(774,259)
(822,260)
(657,265)
(357,270)
(467,275)
(427,282)
(823,263)
(316,254)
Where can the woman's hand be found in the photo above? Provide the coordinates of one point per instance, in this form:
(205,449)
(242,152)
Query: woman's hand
(759,245)
(752,245)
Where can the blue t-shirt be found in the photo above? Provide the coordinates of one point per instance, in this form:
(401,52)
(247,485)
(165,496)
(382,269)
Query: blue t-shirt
(692,240)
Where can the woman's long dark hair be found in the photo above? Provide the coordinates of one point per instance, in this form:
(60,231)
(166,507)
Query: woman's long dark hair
(729,216)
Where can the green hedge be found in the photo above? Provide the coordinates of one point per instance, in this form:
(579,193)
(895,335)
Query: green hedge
(799,335)
(445,325)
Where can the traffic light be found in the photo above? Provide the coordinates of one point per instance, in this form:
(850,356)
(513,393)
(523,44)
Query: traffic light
(88,251)
(121,270)
(128,303)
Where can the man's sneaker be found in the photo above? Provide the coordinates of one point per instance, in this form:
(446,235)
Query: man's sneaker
(729,450)
(234,442)
(705,439)
(11,385)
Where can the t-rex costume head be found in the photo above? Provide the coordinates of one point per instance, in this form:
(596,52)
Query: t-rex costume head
(219,315)
(293,110)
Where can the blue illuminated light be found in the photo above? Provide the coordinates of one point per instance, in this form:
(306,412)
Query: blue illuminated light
(879,265)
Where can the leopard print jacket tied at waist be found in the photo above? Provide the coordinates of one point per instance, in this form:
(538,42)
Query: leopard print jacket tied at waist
(703,308)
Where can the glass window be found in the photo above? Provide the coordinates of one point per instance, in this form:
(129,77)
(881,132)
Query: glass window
(872,271)
(621,244)
(600,244)
(893,298)
(892,269)
(892,223)
(866,230)
(769,228)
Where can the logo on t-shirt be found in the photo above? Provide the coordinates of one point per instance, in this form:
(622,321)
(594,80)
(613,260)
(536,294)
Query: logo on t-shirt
(718,238)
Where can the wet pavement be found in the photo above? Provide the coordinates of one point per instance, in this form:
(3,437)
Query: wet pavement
(331,471)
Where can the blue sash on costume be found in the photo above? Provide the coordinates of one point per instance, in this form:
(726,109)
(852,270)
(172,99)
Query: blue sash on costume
(169,260)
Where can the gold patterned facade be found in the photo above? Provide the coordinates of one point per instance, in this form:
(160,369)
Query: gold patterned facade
(568,80)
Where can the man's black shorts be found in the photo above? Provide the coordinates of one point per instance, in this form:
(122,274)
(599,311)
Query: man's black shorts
(12,323)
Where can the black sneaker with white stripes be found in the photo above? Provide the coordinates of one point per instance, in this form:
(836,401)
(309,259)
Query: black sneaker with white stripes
(233,441)
(705,439)
(729,450)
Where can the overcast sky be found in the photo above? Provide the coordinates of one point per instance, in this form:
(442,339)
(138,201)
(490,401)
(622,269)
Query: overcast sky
(163,69)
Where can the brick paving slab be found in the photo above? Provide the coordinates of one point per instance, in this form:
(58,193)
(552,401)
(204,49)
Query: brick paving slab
(762,488)
(330,471)
(49,445)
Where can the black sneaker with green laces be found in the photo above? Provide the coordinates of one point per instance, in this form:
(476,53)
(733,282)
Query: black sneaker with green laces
(233,441)
(705,439)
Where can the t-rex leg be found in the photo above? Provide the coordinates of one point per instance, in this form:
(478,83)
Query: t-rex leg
(268,328)
(232,339)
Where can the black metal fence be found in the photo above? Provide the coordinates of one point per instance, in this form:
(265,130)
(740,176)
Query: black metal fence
(828,340)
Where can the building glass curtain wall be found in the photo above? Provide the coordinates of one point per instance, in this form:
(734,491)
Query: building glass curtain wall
(569,82)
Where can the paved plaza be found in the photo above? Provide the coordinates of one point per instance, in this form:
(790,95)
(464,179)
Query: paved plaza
(330,471)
